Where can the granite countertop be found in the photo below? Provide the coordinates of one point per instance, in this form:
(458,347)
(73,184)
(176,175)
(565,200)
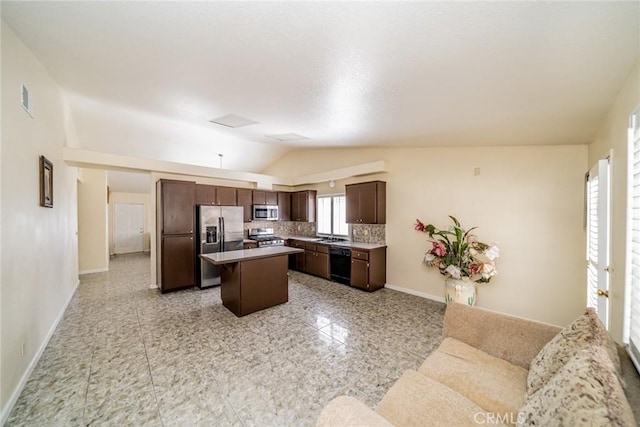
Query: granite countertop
(345,244)
(220,258)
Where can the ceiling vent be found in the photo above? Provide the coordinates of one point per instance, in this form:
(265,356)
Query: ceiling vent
(26,101)
(233,121)
(287,137)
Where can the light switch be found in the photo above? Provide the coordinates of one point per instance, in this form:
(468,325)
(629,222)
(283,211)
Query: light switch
(476,171)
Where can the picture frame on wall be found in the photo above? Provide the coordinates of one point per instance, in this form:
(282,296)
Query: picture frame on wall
(46,183)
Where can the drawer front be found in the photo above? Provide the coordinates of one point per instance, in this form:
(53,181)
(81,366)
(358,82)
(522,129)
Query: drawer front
(297,244)
(310,247)
(359,254)
(322,249)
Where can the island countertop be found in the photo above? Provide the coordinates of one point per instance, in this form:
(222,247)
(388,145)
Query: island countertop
(221,258)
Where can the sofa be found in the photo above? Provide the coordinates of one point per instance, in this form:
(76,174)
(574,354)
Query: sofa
(495,369)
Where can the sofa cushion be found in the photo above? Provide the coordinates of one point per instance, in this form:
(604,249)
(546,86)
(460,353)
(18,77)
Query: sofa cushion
(494,384)
(585,331)
(349,411)
(417,400)
(584,392)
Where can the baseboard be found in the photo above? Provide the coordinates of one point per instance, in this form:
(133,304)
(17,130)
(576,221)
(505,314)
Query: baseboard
(416,293)
(95,270)
(6,411)
(153,286)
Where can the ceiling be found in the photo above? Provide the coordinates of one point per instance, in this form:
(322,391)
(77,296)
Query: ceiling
(144,78)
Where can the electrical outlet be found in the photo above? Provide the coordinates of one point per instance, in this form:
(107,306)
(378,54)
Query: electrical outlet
(476,171)
(299,227)
(355,232)
(366,232)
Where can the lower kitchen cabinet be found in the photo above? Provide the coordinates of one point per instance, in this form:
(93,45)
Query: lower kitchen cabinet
(177,263)
(250,245)
(316,258)
(368,268)
(297,261)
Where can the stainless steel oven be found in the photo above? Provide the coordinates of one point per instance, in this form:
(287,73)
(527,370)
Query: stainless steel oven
(265,212)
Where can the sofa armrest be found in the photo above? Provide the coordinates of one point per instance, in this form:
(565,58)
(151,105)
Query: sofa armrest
(349,411)
(509,338)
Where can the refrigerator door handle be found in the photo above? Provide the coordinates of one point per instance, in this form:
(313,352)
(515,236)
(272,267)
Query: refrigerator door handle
(221,219)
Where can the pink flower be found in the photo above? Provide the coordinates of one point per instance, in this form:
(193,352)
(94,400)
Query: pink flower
(475,268)
(419,225)
(438,249)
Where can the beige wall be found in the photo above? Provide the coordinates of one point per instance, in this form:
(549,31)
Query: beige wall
(39,245)
(527,199)
(93,247)
(613,136)
(132,198)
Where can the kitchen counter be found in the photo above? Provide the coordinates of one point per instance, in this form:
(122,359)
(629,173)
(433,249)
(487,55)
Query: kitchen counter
(345,244)
(221,258)
(253,279)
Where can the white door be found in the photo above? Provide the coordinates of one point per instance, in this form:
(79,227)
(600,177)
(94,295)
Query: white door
(128,228)
(598,239)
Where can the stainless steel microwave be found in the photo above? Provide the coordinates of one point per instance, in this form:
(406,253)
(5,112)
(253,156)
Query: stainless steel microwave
(265,212)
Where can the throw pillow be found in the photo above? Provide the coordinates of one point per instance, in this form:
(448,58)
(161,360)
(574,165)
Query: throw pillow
(584,392)
(585,331)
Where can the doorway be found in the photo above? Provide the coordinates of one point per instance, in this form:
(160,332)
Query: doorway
(128,228)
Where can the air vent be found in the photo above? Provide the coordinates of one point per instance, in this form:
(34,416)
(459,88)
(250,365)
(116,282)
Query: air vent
(233,121)
(287,137)
(27,103)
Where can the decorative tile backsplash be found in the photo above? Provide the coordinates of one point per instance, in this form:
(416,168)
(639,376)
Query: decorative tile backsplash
(368,233)
(284,228)
(360,233)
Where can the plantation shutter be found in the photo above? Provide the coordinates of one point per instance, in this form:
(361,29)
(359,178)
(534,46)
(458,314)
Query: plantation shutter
(598,239)
(633,272)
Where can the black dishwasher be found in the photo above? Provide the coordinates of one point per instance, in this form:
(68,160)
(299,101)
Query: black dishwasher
(340,261)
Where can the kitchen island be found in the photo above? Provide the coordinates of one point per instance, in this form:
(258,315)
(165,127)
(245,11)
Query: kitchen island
(253,279)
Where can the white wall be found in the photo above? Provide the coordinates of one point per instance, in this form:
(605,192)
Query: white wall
(93,245)
(527,199)
(131,198)
(613,136)
(39,245)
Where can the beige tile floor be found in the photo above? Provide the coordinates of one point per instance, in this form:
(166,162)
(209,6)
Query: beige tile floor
(127,355)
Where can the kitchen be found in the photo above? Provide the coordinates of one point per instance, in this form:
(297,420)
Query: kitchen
(197,219)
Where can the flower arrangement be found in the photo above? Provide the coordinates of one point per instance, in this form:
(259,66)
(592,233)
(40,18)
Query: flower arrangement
(458,253)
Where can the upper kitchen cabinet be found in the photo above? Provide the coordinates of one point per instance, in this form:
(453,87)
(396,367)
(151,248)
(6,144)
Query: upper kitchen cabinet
(366,203)
(244,199)
(265,197)
(303,206)
(177,200)
(213,195)
(284,206)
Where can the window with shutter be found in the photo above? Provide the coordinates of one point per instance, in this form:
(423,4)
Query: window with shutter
(332,216)
(632,318)
(598,239)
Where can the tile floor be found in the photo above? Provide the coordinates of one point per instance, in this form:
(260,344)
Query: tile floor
(127,355)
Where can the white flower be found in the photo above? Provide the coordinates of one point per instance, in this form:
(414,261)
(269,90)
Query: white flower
(429,257)
(488,270)
(492,252)
(453,271)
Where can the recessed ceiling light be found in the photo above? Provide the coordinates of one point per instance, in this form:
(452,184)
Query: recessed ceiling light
(233,121)
(287,137)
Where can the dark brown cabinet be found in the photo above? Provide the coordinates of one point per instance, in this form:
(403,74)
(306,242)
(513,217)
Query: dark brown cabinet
(303,206)
(177,201)
(316,258)
(244,199)
(213,195)
(284,206)
(249,245)
(369,268)
(178,255)
(175,216)
(297,261)
(366,203)
(265,197)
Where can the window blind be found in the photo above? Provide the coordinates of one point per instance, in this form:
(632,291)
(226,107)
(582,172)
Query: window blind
(633,272)
(592,241)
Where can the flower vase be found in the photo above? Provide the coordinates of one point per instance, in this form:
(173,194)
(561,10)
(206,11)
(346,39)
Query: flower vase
(460,290)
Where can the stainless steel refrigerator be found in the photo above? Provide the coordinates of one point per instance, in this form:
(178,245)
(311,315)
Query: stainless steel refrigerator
(219,230)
